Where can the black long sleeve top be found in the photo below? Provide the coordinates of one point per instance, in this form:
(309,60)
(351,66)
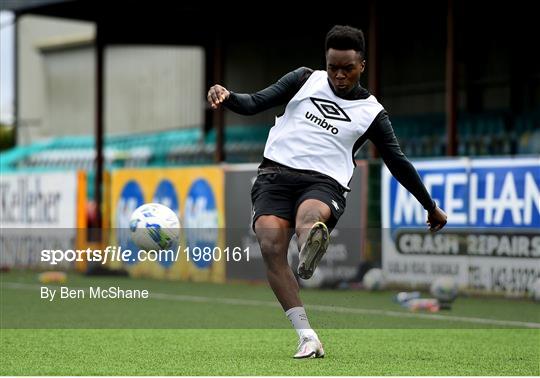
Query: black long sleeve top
(380,132)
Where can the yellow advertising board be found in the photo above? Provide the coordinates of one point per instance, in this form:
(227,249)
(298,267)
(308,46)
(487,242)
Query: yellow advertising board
(196,195)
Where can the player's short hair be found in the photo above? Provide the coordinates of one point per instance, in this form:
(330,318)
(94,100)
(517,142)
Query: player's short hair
(344,37)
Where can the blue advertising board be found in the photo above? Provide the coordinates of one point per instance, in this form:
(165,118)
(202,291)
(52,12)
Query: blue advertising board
(492,240)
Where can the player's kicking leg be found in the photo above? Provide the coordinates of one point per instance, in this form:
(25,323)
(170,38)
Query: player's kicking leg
(313,235)
(313,250)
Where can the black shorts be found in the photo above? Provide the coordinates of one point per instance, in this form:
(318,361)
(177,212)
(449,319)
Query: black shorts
(281,194)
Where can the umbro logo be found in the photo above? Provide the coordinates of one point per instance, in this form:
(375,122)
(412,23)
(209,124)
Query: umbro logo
(335,204)
(330,109)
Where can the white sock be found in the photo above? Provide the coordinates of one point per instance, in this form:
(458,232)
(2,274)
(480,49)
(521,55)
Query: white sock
(299,320)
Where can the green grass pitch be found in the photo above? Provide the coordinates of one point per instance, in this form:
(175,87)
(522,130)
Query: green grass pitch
(206,329)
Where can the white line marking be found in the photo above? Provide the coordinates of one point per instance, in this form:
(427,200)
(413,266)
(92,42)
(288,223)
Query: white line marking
(314,307)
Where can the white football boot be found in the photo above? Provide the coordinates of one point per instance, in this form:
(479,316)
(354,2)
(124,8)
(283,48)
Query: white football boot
(313,250)
(309,347)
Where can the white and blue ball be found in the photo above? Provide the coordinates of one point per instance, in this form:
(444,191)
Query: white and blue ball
(373,279)
(444,288)
(154,226)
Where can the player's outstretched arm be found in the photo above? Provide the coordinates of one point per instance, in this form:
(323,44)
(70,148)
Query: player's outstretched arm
(382,135)
(276,94)
(216,95)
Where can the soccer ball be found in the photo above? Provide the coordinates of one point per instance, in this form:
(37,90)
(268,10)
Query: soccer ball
(154,226)
(444,288)
(373,279)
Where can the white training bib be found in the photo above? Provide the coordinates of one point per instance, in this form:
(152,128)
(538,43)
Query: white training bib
(319,129)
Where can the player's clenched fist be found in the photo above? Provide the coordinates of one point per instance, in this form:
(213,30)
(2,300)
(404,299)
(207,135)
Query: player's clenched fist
(436,219)
(216,95)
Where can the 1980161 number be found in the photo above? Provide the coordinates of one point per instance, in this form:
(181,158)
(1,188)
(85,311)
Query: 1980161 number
(208,254)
